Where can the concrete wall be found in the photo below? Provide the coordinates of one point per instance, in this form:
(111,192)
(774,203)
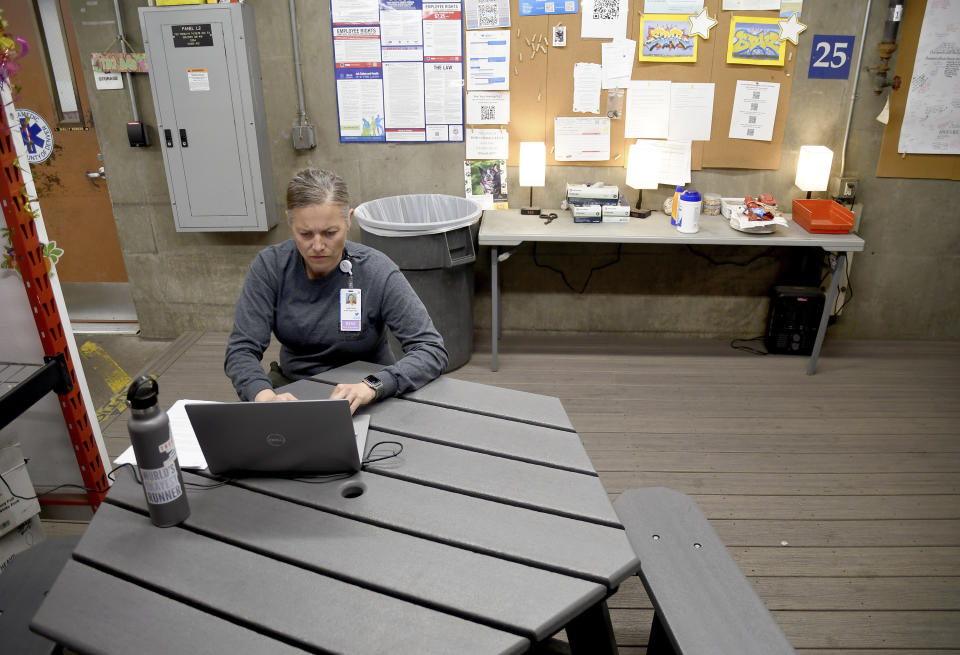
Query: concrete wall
(905,284)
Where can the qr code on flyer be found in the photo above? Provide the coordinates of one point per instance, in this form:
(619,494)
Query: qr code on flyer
(488,14)
(606,9)
(487,113)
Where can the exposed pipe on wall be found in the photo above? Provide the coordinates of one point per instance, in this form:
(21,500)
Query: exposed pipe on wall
(303,134)
(123,49)
(887,46)
(856,87)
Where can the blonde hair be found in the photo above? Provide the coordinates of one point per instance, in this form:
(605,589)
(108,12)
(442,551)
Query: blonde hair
(315,186)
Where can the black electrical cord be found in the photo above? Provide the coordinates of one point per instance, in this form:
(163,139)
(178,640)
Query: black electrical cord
(67,485)
(765,253)
(563,275)
(849,291)
(736,345)
(203,487)
(371,460)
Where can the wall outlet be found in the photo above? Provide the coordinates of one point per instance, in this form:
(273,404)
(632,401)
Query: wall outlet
(304,137)
(848,187)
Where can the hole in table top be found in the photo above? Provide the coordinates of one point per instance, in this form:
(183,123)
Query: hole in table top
(656,537)
(353,489)
(697,546)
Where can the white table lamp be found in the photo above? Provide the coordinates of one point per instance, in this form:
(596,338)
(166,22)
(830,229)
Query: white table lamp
(533,165)
(643,168)
(813,168)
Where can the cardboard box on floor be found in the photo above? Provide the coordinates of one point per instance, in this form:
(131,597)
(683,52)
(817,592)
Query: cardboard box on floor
(15,511)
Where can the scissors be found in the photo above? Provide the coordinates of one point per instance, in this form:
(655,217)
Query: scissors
(548,218)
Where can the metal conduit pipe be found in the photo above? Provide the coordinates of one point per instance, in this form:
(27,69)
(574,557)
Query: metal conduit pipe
(123,49)
(887,46)
(856,86)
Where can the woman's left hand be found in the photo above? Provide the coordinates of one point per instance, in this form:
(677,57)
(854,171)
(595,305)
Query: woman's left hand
(358,394)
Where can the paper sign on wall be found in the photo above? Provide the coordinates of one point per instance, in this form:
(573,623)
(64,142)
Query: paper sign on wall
(198,79)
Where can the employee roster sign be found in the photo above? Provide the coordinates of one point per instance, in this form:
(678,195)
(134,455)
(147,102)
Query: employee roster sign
(399,70)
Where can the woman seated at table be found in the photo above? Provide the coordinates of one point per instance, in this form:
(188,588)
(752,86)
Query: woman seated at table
(328,301)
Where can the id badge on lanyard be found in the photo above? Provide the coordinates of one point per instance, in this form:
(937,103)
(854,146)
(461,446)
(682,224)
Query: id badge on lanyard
(349,310)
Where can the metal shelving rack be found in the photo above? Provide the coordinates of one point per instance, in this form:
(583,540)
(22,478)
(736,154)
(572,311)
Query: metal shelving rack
(36,281)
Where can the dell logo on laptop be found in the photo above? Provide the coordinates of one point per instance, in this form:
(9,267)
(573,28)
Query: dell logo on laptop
(276,439)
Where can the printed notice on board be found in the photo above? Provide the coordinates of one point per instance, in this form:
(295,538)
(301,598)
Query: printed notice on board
(198,79)
(488,57)
(399,69)
(754,110)
(192,36)
(487,14)
(581,139)
(931,119)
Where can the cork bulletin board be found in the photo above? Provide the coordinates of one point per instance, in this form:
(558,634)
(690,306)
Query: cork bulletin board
(541,88)
(892,163)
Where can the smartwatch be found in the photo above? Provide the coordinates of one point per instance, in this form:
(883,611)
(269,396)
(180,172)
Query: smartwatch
(374,383)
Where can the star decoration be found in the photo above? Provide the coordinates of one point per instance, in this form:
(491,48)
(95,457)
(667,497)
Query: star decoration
(790,29)
(701,24)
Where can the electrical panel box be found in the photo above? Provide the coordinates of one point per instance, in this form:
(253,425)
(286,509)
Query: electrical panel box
(205,79)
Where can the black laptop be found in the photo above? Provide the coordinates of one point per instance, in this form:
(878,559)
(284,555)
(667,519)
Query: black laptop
(299,436)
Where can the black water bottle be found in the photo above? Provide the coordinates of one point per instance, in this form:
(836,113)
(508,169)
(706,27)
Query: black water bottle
(156,456)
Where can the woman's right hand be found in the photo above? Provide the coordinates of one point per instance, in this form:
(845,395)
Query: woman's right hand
(269,395)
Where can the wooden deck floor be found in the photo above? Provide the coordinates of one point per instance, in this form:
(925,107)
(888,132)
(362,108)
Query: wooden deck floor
(838,494)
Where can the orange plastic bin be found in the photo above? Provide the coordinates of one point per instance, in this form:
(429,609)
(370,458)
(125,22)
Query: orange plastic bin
(822,216)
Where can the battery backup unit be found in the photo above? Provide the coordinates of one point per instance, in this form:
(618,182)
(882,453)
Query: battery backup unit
(794,319)
(205,80)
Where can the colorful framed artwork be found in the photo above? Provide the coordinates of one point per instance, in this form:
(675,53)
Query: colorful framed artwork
(666,38)
(755,41)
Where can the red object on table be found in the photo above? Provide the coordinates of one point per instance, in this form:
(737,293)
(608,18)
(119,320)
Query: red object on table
(817,215)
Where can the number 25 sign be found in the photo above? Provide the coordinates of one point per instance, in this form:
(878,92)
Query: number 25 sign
(830,57)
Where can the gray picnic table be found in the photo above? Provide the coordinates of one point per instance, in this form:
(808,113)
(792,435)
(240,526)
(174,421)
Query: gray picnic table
(489,533)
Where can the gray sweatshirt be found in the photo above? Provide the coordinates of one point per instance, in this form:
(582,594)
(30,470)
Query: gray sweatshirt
(304,315)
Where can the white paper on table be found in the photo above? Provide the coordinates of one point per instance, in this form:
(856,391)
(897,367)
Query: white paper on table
(603,19)
(750,5)
(675,162)
(691,111)
(743,220)
(355,12)
(581,139)
(189,454)
(647,110)
(672,6)
(617,58)
(586,87)
(487,14)
(488,107)
(754,110)
(488,61)
(403,94)
(487,144)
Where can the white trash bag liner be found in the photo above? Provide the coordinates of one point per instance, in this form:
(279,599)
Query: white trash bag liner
(416,214)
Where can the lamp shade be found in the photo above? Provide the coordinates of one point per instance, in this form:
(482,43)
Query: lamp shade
(643,166)
(813,168)
(533,163)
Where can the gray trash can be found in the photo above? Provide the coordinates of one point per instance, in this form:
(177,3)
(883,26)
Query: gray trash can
(432,238)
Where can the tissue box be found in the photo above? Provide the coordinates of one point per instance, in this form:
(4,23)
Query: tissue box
(586,214)
(14,511)
(581,194)
(616,213)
